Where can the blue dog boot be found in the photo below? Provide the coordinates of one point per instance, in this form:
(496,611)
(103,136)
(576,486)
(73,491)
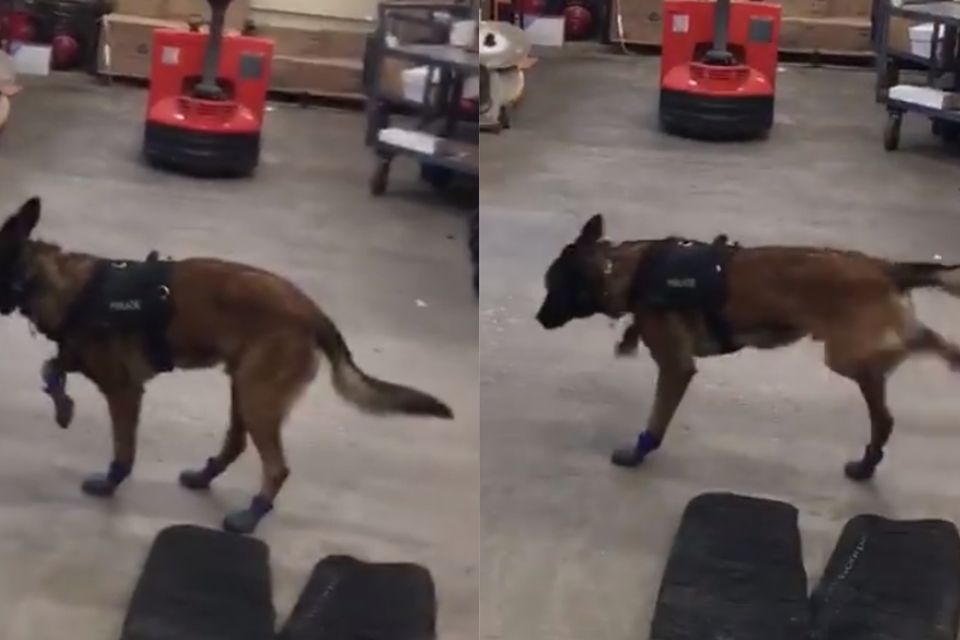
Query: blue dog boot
(197,480)
(246,521)
(104,485)
(630,457)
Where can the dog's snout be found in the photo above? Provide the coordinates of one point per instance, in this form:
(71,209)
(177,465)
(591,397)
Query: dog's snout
(547,318)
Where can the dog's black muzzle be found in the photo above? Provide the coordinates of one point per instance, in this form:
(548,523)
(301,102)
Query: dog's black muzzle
(551,317)
(14,290)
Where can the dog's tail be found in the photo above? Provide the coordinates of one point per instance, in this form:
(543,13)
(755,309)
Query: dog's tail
(919,275)
(366,392)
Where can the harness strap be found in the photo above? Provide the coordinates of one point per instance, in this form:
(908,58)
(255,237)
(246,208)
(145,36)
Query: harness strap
(648,270)
(154,307)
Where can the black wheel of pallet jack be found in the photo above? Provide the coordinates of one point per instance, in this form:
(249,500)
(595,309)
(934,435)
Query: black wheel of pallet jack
(891,133)
(378,183)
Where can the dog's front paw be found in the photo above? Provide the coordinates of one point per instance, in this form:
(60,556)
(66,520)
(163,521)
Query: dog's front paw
(246,521)
(103,485)
(627,457)
(195,480)
(63,406)
(99,485)
(200,479)
(859,470)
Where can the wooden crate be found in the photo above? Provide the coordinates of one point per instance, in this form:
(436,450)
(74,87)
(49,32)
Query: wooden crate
(181,10)
(319,63)
(828,36)
(642,21)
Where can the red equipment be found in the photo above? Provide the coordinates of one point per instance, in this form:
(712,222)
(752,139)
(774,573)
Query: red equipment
(718,68)
(65,51)
(207,100)
(16,26)
(578,20)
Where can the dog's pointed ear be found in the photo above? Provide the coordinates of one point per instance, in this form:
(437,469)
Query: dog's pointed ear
(20,225)
(592,231)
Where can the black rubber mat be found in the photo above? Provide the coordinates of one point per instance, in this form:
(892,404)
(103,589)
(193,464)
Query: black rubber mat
(735,572)
(347,599)
(201,584)
(890,580)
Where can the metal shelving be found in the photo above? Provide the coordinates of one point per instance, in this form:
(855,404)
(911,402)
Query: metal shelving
(941,67)
(433,129)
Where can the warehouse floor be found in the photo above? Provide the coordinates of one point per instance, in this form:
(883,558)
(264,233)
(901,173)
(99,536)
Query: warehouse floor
(573,548)
(394,273)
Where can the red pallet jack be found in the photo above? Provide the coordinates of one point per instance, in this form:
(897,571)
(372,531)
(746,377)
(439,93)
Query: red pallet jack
(718,68)
(208,96)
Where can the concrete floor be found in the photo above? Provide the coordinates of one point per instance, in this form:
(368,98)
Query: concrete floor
(572,548)
(393,272)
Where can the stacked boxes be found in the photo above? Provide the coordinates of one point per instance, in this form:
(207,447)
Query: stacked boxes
(808,26)
(325,61)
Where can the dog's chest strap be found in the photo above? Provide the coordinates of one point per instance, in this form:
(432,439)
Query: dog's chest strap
(128,297)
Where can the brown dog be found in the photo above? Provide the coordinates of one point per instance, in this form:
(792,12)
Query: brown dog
(690,300)
(120,323)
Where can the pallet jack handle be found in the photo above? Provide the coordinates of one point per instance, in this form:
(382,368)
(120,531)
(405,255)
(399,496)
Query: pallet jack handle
(720,53)
(208,87)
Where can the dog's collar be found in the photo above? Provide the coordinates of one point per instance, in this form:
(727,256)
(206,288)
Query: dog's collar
(606,295)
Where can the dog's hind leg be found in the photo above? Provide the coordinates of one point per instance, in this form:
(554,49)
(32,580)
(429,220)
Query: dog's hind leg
(670,346)
(872,385)
(234,444)
(867,349)
(268,382)
(124,402)
(923,339)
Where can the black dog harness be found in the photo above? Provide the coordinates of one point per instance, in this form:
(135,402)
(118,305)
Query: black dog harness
(127,297)
(688,276)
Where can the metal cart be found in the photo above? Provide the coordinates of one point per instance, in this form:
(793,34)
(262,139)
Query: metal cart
(941,67)
(440,136)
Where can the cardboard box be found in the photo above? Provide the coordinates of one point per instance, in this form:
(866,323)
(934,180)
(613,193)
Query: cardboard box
(125,44)
(848,8)
(642,22)
(643,19)
(182,10)
(899,34)
(317,76)
(826,8)
(316,43)
(829,35)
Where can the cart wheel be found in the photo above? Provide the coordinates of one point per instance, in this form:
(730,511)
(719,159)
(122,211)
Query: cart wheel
(440,178)
(378,183)
(949,131)
(505,118)
(891,133)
